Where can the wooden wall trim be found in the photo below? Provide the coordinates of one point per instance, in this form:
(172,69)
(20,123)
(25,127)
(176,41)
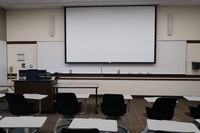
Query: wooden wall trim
(21,42)
(193,41)
(67,76)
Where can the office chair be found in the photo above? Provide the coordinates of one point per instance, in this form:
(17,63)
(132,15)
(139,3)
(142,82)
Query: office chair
(68,106)
(162,109)
(68,130)
(18,105)
(195,111)
(2,131)
(113,106)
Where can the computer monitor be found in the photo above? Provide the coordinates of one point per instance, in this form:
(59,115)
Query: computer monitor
(32,74)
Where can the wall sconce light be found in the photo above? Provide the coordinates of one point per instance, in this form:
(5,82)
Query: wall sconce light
(170,24)
(52,25)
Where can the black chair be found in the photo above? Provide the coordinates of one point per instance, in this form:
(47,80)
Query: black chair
(18,105)
(195,111)
(2,131)
(113,106)
(162,109)
(67,130)
(68,106)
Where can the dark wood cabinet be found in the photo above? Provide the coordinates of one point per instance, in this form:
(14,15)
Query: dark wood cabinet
(38,87)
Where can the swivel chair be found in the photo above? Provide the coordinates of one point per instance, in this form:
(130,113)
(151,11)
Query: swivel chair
(113,106)
(68,106)
(2,131)
(162,109)
(195,111)
(18,105)
(68,130)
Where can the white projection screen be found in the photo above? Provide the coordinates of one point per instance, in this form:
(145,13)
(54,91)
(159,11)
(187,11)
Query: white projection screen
(117,34)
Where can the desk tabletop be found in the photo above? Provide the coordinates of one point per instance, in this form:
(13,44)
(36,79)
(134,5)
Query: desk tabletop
(192,98)
(151,99)
(100,124)
(2,95)
(22,122)
(7,84)
(79,95)
(171,126)
(77,85)
(127,97)
(198,120)
(35,96)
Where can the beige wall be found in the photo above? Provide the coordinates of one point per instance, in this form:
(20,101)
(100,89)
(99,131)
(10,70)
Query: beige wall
(2,24)
(33,25)
(186,23)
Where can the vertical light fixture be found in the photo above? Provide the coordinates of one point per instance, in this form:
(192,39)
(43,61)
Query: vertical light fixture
(170,24)
(52,25)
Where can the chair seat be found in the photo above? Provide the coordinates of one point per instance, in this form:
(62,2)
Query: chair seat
(162,109)
(195,112)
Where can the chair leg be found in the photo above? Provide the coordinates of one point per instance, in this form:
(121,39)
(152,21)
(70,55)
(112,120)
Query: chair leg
(62,122)
(122,129)
(84,107)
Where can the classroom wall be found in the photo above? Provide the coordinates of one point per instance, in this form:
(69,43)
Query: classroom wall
(3,51)
(2,24)
(33,25)
(185,23)
(3,63)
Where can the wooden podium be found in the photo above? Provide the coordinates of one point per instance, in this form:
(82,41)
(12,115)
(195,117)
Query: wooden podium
(38,87)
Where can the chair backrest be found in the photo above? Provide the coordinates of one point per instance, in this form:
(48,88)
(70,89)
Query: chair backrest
(2,131)
(67,104)
(163,108)
(195,111)
(17,104)
(14,99)
(198,106)
(113,105)
(67,130)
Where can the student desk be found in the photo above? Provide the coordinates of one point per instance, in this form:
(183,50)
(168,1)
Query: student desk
(100,124)
(25,122)
(151,99)
(192,98)
(171,126)
(2,95)
(38,97)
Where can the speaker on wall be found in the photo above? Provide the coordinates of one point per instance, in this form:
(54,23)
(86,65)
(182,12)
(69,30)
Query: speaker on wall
(52,25)
(195,65)
(170,24)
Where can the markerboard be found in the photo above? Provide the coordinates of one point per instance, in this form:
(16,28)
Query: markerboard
(171,59)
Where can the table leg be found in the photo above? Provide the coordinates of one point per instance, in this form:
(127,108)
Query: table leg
(39,108)
(96,102)
(26,130)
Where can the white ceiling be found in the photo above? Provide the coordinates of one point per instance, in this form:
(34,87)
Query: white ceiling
(22,4)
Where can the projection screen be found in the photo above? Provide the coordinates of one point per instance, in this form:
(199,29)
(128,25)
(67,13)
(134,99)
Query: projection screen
(118,34)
